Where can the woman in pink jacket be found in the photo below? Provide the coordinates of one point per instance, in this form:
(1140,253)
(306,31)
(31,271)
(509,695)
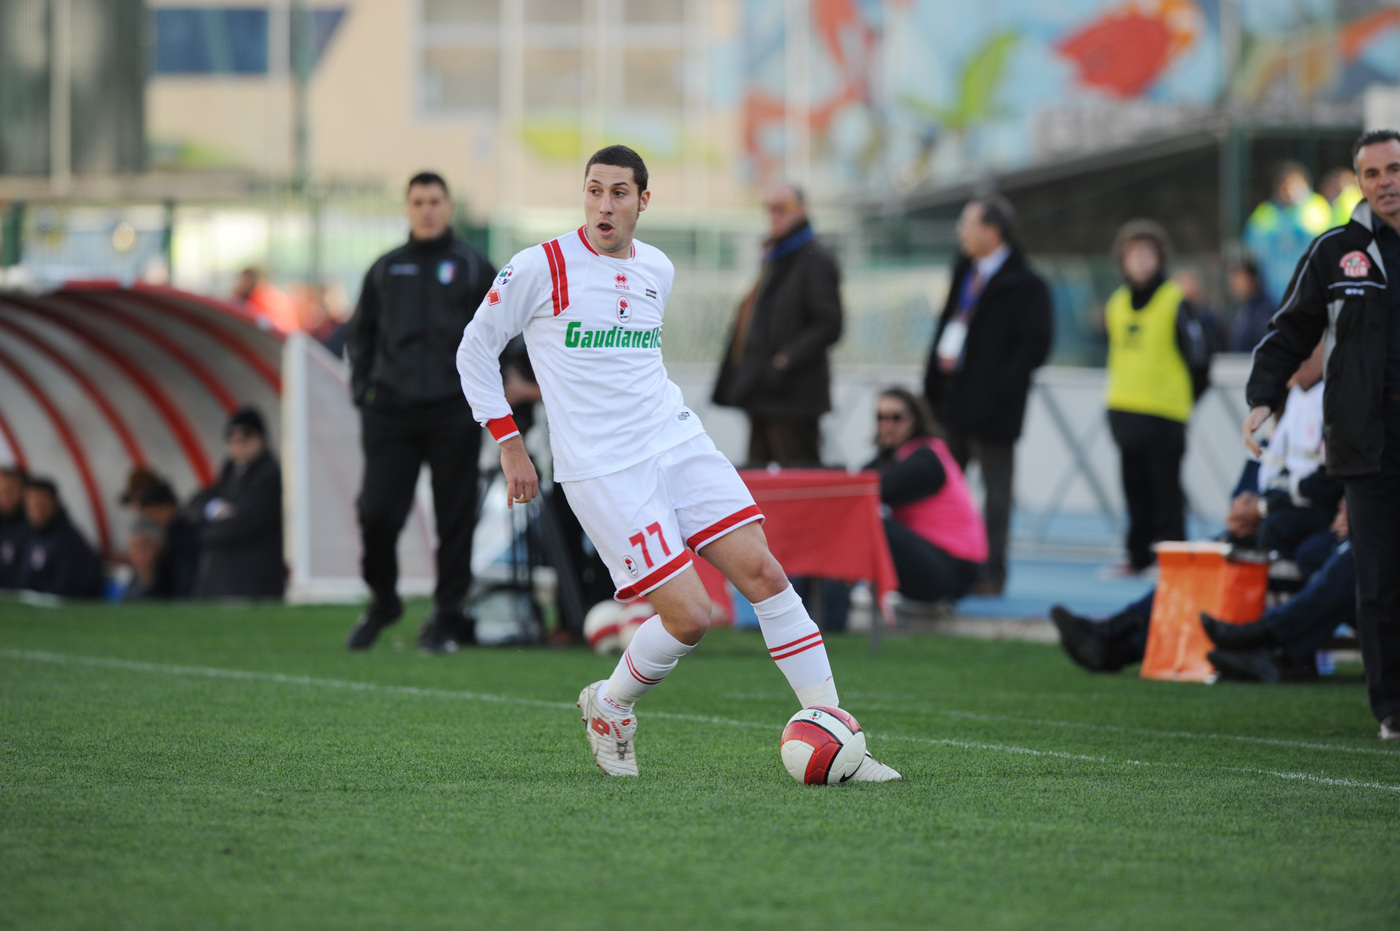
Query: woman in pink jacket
(935,532)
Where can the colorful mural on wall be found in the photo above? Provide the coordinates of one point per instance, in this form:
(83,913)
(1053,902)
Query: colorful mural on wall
(905,91)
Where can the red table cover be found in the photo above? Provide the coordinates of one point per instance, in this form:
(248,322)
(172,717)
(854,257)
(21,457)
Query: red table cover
(820,522)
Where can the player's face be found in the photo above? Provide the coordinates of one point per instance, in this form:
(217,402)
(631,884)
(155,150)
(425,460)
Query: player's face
(1378,171)
(429,211)
(39,507)
(611,205)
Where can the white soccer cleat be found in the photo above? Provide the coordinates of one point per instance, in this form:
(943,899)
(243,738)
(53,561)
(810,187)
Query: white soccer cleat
(610,738)
(872,770)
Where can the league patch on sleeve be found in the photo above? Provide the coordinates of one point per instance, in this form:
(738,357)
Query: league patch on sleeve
(503,276)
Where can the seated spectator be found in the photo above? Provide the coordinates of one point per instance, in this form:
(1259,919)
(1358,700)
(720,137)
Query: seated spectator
(1252,316)
(935,532)
(13,527)
(240,518)
(1283,643)
(143,548)
(56,560)
(137,479)
(177,565)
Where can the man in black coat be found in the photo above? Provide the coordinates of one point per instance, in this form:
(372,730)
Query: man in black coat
(56,560)
(13,526)
(775,367)
(240,518)
(402,346)
(177,566)
(1346,292)
(995,331)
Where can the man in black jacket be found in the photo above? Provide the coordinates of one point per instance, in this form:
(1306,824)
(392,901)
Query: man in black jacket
(995,331)
(56,559)
(402,345)
(775,367)
(1346,289)
(240,518)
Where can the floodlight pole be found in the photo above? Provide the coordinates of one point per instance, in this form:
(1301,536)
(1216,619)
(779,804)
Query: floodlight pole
(61,97)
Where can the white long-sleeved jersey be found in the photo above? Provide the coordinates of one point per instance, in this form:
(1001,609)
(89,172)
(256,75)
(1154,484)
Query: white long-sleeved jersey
(592,327)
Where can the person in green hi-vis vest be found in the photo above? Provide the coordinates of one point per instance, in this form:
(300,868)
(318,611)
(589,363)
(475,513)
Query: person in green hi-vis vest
(1158,364)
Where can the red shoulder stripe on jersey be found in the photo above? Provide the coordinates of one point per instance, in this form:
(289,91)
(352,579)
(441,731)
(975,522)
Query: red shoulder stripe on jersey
(559,274)
(553,275)
(503,428)
(583,234)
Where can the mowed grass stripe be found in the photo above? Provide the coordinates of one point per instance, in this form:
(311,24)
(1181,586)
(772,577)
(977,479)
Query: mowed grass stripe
(419,691)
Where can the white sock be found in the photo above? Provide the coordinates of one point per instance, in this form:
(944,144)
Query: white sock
(652,654)
(796,646)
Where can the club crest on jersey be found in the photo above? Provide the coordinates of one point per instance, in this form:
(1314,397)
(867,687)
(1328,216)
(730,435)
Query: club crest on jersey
(447,270)
(503,276)
(1356,265)
(624,309)
(620,282)
(631,565)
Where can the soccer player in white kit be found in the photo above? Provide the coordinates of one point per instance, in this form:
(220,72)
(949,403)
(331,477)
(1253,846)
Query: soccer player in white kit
(647,483)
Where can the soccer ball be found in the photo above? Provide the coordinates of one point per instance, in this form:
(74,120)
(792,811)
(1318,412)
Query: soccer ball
(822,746)
(608,627)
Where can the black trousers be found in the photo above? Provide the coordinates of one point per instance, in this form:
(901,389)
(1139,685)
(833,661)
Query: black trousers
(927,573)
(998,463)
(1151,449)
(397,440)
(786,442)
(1373,519)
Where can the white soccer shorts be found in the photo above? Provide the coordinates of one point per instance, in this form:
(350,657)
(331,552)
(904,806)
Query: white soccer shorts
(645,519)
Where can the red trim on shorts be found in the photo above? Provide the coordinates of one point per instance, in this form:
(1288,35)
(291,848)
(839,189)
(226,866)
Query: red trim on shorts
(720,528)
(654,579)
(503,428)
(637,675)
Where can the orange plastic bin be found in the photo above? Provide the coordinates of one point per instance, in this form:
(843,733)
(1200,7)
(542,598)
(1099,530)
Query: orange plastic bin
(1196,577)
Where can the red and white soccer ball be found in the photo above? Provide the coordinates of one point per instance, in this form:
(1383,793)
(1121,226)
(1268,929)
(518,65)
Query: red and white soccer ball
(608,627)
(822,746)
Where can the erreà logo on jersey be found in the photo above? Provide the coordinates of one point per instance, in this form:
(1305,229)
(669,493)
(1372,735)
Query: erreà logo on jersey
(576,337)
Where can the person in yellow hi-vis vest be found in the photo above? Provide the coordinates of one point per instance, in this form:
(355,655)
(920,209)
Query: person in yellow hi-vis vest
(1158,364)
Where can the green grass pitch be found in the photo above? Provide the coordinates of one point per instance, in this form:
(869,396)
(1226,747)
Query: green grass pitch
(198,767)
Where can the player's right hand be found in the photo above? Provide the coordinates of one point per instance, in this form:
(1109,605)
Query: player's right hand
(1252,423)
(522,482)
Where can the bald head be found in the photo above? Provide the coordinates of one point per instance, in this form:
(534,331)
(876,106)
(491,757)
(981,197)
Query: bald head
(787,208)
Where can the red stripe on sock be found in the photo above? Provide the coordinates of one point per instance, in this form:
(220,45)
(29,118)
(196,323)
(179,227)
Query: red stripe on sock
(809,646)
(784,646)
(637,675)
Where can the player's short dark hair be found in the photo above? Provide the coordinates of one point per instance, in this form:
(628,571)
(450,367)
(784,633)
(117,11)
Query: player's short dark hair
(42,483)
(620,156)
(1372,137)
(997,212)
(425,178)
(13,471)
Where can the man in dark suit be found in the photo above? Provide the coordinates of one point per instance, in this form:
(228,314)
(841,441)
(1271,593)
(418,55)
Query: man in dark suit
(995,331)
(240,518)
(775,367)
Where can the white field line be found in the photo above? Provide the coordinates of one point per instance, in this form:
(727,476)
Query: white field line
(211,672)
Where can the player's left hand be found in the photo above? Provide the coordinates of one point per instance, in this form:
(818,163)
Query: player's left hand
(522,482)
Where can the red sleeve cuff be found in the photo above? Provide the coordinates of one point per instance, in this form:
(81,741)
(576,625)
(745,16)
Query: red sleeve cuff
(503,428)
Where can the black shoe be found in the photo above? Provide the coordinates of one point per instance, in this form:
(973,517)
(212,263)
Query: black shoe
(377,616)
(1251,636)
(1246,665)
(444,633)
(1080,638)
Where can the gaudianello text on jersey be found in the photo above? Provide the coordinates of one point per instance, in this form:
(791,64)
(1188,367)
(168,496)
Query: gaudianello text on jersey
(576,337)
